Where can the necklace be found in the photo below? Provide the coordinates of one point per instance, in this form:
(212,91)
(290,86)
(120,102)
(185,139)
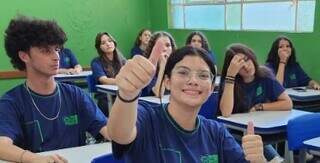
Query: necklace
(35,105)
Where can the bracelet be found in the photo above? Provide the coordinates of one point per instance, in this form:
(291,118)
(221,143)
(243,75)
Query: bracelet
(127,101)
(22,154)
(258,107)
(230,77)
(229,81)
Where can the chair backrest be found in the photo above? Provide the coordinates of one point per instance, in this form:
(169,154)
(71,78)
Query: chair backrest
(91,84)
(209,108)
(107,158)
(302,128)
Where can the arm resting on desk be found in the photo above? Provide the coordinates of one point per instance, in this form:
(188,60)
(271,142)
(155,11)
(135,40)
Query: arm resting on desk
(106,80)
(16,154)
(76,70)
(282,104)
(314,85)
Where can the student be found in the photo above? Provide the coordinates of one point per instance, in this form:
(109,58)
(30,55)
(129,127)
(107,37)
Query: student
(153,88)
(41,114)
(174,132)
(68,63)
(141,42)
(106,66)
(199,40)
(282,60)
(247,87)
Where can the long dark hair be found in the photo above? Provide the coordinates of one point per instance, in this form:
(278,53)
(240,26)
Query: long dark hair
(154,39)
(204,40)
(260,72)
(179,54)
(273,57)
(137,42)
(112,67)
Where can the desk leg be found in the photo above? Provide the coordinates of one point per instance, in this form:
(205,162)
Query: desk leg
(288,155)
(110,102)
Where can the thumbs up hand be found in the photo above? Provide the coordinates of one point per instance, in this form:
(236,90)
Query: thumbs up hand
(137,73)
(253,146)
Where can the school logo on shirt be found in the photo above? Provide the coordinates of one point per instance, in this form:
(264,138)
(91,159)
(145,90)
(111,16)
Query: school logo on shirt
(67,60)
(293,77)
(209,159)
(71,120)
(259,91)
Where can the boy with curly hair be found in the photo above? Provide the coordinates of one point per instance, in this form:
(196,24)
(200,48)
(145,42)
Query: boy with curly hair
(41,114)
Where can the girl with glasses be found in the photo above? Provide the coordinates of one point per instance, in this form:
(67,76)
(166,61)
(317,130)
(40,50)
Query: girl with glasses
(173,132)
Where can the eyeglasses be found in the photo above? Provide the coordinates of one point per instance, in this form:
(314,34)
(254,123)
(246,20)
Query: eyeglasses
(186,74)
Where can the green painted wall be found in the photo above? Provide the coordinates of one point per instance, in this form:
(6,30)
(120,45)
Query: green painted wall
(306,44)
(124,18)
(81,20)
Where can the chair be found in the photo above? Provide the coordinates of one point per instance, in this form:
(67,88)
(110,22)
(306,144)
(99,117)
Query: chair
(300,129)
(91,85)
(209,108)
(107,158)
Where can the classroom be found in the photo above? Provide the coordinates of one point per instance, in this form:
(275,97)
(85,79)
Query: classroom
(217,89)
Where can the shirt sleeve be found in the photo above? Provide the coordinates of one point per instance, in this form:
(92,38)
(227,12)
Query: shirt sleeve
(9,119)
(276,89)
(270,67)
(73,59)
(303,78)
(91,116)
(97,69)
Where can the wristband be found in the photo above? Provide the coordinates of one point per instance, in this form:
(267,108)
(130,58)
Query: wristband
(230,77)
(258,107)
(229,81)
(125,100)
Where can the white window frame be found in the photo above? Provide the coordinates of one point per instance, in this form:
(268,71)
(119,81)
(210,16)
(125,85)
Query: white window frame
(184,4)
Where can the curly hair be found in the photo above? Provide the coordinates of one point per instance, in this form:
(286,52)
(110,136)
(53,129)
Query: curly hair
(154,39)
(23,33)
(204,40)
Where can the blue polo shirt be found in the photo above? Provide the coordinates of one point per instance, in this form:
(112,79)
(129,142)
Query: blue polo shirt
(161,139)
